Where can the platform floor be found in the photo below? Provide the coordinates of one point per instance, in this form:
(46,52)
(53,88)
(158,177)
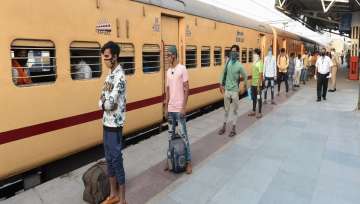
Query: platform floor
(301,151)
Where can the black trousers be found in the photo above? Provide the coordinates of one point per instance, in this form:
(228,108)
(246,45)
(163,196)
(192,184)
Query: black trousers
(254,94)
(283,77)
(322,85)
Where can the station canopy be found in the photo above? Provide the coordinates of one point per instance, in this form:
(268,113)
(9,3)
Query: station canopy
(333,16)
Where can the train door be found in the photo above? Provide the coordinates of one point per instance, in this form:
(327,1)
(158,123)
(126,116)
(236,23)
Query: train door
(169,36)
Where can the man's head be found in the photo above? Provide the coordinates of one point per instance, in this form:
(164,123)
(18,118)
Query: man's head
(111,52)
(22,55)
(323,51)
(234,54)
(282,51)
(172,54)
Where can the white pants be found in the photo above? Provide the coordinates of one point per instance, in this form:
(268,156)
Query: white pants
(297,76)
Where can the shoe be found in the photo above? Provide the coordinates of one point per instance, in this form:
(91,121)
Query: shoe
(331,90)
(252,114)
(188,168)
(166,167)
(259,115)
(222,130)
(265,102)
(233,132)
(318,100)
(324,98)
(334,89)
(273,103)
(111,200)
(278,94)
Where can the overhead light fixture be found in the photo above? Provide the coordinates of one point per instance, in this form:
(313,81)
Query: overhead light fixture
(281,3)
(326,8)
(357,1)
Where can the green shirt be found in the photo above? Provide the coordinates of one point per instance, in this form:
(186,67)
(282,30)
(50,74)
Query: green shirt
(234,70)
(256,69)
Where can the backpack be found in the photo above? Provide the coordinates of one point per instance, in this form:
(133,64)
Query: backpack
(176,154)
(96,182)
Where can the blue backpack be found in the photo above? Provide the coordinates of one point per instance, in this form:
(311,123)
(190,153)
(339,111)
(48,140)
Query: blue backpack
(176,154)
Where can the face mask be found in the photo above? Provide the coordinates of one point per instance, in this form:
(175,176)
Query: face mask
(256,57)
(233,55)
(322,53)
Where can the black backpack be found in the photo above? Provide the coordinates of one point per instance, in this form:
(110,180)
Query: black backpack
(176,154)
(96,182)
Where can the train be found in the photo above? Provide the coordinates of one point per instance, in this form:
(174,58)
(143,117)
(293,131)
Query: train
(53,113)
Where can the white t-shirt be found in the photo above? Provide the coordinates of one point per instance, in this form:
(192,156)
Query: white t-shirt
(298,64)
(323,64)
(270,66)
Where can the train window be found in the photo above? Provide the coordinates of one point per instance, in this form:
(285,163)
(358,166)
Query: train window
(205,57)
(33,62)
(227,52)
(243,55)
(250,55)
(217,56)
(191,57)
(151,58)
(85,60)
(127,58)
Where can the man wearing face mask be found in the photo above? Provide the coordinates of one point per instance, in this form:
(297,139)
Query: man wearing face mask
(113,103)
(256,82)
(283,65)
(269,75)
(322,74)
(336,64)
(229,86)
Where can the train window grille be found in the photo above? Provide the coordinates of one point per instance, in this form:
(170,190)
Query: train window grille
(251,52)
(127,58)
(33,62)
(85,60)
(217,56)
(227,52)
(243,55)
(205,57)
(191,57)
(151,58)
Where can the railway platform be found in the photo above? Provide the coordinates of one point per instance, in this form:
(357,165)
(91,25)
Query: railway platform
(301,151)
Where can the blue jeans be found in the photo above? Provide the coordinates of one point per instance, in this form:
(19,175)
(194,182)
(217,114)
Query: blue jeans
(113,141)
(174,119)
(304,75)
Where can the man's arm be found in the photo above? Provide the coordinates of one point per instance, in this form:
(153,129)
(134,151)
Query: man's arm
(186,94)
(244,75)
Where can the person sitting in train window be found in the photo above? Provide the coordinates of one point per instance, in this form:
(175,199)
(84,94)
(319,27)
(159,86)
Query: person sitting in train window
(82,70)
(270,75)
(256,83)
(229,87)
(176,96)
(291,71)
(20,70)
(283,64)
(113,103)
(299,65)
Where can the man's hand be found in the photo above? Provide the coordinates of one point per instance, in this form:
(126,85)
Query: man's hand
(222,90)
(102,98)
(183,112)
(315,77)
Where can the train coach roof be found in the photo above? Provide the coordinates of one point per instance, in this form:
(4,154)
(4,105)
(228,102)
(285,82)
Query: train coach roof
(198,8)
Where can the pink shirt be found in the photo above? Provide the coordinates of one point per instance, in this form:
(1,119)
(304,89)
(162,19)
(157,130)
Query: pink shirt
(175,79)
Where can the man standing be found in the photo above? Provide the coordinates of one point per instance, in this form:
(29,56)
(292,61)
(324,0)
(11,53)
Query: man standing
(270,75)
(322,70)
(283,64)
(177,91)
(229,86)
(304,71)
(336,65)
(113,103)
